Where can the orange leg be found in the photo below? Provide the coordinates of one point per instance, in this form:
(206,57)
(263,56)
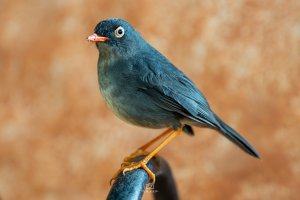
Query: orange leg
(148,144)
(129,166)
(141,151)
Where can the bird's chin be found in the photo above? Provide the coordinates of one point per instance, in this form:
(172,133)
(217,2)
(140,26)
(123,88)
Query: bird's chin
(101,45)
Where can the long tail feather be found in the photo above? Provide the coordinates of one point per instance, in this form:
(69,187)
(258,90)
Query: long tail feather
(237,139)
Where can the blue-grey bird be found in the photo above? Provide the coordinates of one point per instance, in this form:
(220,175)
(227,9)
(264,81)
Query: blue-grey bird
(142,87)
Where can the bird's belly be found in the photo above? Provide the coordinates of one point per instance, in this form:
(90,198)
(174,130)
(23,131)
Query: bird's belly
(137,108)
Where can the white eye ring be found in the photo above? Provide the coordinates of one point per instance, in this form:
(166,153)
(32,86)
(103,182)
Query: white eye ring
(119,32)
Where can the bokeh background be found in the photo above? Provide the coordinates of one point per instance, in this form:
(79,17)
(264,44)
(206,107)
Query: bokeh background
(58,140)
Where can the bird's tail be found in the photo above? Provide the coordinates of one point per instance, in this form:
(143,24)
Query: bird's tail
(237,139)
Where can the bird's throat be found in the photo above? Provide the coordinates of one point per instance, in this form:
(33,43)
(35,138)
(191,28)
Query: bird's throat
(106,58)
(106,63)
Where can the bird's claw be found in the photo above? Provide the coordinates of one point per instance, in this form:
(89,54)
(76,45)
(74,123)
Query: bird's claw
(141,164)
(128,166)
(132,166)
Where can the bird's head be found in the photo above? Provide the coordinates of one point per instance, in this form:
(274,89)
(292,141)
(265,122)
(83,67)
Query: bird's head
(116,35)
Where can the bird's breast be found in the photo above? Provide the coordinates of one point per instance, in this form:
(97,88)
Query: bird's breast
(131,105)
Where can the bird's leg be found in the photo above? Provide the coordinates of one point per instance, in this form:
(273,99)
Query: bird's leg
(148,144)
(129,166)
(141,151)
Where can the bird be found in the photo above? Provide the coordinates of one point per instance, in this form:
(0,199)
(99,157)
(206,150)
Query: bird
(142,87)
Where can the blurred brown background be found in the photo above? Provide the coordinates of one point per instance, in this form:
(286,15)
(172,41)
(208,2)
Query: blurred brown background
(58,140)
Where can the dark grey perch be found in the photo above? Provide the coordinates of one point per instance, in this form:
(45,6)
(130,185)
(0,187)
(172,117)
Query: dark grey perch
(133,185)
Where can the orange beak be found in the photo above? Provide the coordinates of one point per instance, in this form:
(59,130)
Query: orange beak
(96,38)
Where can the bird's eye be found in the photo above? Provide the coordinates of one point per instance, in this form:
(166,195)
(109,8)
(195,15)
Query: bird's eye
(119,32)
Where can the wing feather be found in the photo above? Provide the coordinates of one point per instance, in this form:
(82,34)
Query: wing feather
(173,91)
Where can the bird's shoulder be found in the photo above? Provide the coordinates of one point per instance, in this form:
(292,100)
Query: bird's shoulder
(158,72)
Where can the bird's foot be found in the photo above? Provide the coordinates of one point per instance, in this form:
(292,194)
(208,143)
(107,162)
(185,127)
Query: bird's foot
(128,166)
(140,164)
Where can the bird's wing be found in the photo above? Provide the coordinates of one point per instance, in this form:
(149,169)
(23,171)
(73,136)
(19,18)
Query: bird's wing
(173,91)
